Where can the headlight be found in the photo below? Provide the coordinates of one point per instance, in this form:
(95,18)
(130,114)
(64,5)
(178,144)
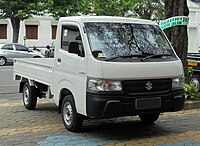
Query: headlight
(103,85)
(178,83)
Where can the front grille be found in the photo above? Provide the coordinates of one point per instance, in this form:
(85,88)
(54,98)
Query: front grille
(146,86)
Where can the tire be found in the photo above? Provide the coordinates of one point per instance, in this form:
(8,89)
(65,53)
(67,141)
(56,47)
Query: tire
(36,57)
(195,80)
(71,119)
(149,118)
(29,96)
(2,61)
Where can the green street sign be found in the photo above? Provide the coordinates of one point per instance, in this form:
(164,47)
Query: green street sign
(174,21)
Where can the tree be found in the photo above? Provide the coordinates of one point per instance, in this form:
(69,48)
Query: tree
(178,35)
(61,8)
(19,10)
(112,8)
(148,9)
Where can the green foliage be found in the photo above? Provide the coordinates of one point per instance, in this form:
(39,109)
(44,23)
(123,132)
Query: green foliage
(21,9)
(112,8)
(190,92)
(190,70)
(148,9)
(190,89)
(61,8)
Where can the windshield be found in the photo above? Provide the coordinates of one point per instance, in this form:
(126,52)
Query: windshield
(109,40)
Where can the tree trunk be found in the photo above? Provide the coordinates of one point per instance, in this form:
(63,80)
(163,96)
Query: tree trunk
(178,35)
(15,25)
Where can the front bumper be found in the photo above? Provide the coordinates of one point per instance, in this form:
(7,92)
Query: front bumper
(116,105)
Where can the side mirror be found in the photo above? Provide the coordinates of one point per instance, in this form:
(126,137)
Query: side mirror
(29,50)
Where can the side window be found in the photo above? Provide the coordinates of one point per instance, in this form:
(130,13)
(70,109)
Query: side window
(71,35)
(7,47)
(21,48)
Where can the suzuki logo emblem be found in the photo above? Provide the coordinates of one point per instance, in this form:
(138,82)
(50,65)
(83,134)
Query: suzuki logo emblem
(149,85)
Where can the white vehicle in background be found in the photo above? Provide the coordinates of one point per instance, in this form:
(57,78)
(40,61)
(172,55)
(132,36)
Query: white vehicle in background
(105,67)
(9,51)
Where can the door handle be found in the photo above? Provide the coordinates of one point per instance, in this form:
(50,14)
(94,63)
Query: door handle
(81,72)
(59,60)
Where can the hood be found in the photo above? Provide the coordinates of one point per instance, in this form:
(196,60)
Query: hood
(141,70)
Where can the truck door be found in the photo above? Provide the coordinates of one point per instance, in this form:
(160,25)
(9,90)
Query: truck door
(70,67)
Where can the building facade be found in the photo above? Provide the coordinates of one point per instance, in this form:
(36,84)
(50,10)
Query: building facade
(36,31)
(194,26)
(41,31)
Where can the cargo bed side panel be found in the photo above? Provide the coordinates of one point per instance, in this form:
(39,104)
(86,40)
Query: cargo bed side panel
(40,70)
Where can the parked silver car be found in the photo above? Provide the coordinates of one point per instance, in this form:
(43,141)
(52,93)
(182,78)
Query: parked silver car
(14,50)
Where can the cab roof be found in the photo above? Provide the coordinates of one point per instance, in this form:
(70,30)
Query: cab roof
(110,19)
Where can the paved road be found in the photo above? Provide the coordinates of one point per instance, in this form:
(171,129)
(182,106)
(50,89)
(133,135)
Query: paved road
(44,127)
(7,84)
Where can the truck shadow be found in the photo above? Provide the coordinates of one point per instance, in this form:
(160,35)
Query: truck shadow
(126,128)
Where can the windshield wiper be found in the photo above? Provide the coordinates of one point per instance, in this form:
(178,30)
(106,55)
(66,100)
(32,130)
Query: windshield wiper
(123,56)
(150,55)
(155,55)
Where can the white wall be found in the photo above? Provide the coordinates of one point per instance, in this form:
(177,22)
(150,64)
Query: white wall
(194,26)
(44,31)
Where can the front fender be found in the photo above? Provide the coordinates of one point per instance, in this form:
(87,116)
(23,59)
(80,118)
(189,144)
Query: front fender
(65,84)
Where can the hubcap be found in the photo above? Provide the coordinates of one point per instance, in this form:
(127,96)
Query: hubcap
(2,61)
(195,82)
(26,95)
(68,113)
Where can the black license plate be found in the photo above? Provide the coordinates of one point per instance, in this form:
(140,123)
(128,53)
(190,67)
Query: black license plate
(148,103)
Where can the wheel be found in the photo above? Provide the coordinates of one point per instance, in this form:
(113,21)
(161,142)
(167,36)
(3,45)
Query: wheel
(2,61)
(195,80)
(29,96)
(149,118)
(71,119)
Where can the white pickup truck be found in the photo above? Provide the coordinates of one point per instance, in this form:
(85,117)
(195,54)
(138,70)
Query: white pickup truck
(105,67)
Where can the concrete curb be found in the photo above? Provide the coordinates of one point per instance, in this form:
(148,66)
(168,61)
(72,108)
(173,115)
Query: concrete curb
(192,104)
